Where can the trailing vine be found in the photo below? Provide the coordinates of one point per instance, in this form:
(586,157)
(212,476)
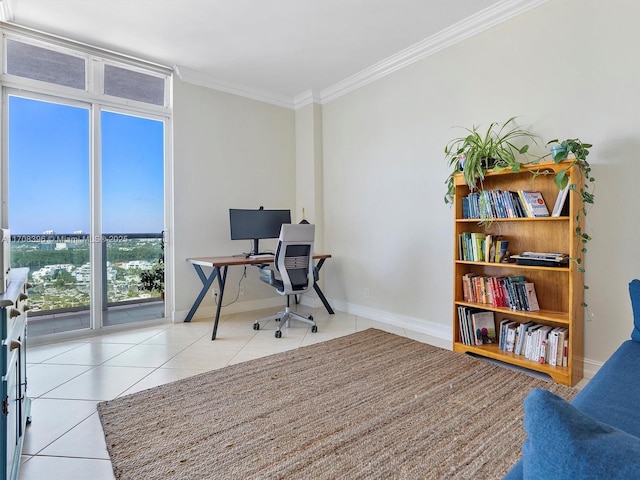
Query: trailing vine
(559,152)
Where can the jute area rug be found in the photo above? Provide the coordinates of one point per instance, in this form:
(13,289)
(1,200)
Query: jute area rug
(371,405)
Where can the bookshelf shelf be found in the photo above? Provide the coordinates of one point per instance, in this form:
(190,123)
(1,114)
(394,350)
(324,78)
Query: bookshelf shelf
(559,290)
(538,219)
(560,318)
(558,374)
(513,266)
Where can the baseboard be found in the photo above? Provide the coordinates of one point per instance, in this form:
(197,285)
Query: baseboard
(419,325)
(591,367)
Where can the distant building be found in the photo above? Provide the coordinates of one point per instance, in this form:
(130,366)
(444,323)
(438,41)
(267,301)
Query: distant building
(137,264)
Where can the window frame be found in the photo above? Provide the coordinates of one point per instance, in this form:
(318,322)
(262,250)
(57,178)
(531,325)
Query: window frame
(95,60)
(93,97)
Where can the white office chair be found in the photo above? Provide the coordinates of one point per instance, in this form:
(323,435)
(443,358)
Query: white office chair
(294,272)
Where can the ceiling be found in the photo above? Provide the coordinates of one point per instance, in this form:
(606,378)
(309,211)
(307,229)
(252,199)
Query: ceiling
(282,51)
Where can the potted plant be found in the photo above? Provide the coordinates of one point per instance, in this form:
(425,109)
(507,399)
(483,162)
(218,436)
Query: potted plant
(152,280)
(561,151)
(477,152)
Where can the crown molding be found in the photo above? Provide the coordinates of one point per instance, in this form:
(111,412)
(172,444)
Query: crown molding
(6,12)
(306,98)
(198,78)
(483,20)
(473,25)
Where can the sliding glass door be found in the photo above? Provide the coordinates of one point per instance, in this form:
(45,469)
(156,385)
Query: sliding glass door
(86,212)
(49,209)
(132,217)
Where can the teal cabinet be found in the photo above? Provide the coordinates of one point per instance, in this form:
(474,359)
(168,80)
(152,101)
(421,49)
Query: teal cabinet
(15,403)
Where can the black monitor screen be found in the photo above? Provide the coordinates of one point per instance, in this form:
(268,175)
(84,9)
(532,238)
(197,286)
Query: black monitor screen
(256,224)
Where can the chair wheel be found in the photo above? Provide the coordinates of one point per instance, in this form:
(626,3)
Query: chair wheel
(278,334)
(256,326)
(314,329)
(310,317)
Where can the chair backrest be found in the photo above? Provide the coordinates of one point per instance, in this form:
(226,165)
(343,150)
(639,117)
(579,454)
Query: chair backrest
(294,257)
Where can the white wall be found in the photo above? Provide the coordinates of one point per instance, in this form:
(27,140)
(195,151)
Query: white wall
(229,152)
(568,68)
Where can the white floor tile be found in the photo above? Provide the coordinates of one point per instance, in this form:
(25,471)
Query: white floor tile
(100,383)
(41,353)
(161,376)
(62,468)
(146,355)
(50,419)
(85,440)
(89,354)
(44,377)
(67,379)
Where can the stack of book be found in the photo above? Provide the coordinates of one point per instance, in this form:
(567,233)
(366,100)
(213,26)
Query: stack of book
(477,327)
(513,292)
(536,342)
(504,204)
(481,247)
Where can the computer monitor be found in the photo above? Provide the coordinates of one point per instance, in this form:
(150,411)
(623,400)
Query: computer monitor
(256,224)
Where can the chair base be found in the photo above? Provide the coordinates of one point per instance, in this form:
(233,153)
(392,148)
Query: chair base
(283,317)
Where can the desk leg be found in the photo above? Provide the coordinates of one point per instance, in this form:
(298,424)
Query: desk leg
(206,284)
(316,287)
(222,280)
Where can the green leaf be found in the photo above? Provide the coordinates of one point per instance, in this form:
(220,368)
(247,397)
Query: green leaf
(561,180)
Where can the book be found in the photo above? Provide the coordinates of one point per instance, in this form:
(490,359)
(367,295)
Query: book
(563,335)
(560,202)
(543,351)
(477,242)
(467,289)
(484,327)
(462,321)
(500,250)
(489,248)
(540,350)
(502,339)
(534,203)
(530,340)
(553,346)
(511,336)
(531,297)
(522,335)
(517,205)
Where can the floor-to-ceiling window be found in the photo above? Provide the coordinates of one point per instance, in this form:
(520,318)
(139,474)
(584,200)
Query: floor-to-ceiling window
(84,185)
(132,182)
(49,198)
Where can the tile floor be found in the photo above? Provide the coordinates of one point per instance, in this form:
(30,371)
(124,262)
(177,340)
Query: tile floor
(67,379)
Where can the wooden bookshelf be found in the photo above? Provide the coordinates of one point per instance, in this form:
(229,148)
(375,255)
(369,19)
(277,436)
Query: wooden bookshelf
(560,290)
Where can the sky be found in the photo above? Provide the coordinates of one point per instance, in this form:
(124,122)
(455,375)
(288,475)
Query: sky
(49,170)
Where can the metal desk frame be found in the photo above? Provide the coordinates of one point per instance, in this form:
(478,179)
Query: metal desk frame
(220,266)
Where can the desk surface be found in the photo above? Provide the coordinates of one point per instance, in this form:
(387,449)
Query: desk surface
(229,261)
